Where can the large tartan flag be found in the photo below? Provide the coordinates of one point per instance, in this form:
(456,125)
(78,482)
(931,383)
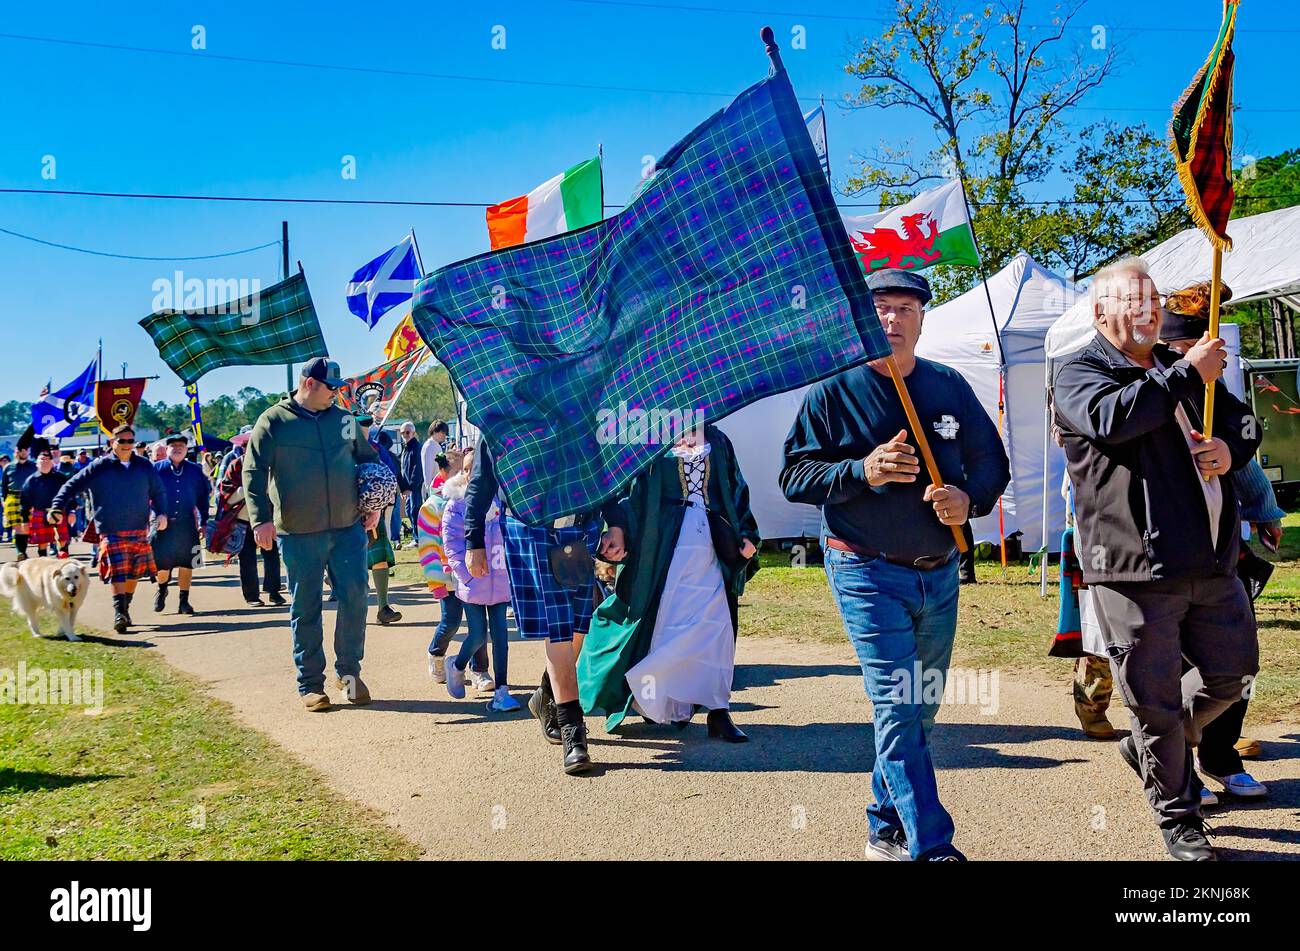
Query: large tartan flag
(374,391)
(275,325)
(727,278)
(1201,137)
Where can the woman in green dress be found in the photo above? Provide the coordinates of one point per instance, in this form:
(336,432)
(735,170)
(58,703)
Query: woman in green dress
(663,644)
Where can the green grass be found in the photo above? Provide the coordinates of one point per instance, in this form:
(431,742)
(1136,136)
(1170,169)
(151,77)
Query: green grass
(129,782)
(1003,623)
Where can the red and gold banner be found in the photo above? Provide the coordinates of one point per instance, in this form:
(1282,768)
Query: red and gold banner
(116,401)
(375,390)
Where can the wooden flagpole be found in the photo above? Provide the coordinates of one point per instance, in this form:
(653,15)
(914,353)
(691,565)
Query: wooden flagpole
(913,421)
(1215,294)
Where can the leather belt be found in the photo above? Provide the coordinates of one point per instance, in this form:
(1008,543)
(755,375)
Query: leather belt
(924,563)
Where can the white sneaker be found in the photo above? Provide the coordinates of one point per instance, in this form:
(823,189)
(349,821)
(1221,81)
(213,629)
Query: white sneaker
(1241,785)
(502,702)
(438,668)
(481,680)
(1208,797)
(455,681)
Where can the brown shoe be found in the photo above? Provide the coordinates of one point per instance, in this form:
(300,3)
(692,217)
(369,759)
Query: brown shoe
(316,702)
(355,689)
(1095,725)
(1248,749)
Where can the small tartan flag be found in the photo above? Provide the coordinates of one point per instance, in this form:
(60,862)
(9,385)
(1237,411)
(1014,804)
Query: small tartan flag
(1201,137)
(276,325)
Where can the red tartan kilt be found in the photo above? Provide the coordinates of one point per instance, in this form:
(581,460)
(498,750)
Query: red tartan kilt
(126,556)
(41,532)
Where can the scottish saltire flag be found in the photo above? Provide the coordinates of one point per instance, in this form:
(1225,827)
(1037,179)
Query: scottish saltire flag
(275,325)
(58,414)
(727,278)
(385,282)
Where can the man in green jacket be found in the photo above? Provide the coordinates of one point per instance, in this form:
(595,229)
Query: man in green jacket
(300,484)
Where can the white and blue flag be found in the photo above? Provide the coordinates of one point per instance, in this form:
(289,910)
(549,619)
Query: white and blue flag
(385,282)
(58,414)
(816,121)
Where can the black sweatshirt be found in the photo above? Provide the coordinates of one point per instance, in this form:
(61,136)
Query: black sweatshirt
(847,416)
(39,491)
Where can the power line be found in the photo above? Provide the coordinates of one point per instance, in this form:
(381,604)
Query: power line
(135,257)
(801,15)
(147,196)
(463,77)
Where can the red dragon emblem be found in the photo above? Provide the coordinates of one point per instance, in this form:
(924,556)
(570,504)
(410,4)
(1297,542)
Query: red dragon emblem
(885,247)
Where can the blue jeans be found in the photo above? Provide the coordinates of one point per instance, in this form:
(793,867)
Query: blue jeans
(453,610)
(306,557)
(395,522)
(480,618)
(901,622)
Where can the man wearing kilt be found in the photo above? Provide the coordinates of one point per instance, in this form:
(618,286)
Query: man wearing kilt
(37,494)
(15,476)
(546,607)
(186,491)
(126,487)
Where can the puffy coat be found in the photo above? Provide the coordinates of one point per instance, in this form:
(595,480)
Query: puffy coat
(492,588)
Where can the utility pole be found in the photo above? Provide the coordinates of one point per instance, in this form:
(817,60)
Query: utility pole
(284,276)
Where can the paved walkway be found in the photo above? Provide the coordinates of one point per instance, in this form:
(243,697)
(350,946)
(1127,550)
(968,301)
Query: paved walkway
(463,782)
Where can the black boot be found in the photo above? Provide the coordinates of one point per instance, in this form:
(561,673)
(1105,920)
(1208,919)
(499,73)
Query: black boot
(20,543)
(160,597)
(120,620)
(542,706)
(184,606)
(126,607)
(576,758)
(721,727)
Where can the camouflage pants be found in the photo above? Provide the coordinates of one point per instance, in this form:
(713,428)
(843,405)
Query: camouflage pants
(1092,684)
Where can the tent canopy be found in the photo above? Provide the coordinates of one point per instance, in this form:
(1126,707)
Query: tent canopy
(1262,265)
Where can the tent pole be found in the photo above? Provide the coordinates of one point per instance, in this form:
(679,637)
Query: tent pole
(1047,451)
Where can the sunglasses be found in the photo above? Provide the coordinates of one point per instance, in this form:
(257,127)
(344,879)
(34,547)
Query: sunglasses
(125,442)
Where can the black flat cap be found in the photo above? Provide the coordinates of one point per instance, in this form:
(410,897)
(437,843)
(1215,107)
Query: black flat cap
(901,281)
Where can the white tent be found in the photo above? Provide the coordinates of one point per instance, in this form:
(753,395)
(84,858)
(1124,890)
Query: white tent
(1027,299)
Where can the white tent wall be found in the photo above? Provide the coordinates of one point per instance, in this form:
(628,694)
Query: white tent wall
(757,433)
(1027,300)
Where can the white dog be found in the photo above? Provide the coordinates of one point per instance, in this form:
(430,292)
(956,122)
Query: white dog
(58,585)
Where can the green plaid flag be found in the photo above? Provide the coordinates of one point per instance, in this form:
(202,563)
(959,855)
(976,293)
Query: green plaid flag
(276,325)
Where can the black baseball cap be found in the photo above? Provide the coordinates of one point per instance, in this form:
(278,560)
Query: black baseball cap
(177,437)
(898,279)
(323,370)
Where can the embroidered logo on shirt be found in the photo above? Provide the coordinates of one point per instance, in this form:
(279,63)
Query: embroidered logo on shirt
(947,426)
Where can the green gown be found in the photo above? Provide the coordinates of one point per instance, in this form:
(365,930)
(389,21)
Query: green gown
(624,623)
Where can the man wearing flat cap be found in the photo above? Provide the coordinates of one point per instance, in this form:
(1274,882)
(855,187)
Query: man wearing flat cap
(890,556)
(1159,527)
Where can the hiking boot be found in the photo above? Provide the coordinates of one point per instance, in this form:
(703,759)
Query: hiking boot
(1094,722)
(1187,842)
(160,598)
(316,701)
(184,606)
(542,707)
(355,689)
(120,622)
(576,759)
(889,846)
(387,615)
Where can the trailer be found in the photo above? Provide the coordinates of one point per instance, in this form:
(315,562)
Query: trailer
(1274,393)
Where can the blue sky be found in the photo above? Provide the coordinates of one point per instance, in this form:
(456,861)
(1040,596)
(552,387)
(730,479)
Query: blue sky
(117,120)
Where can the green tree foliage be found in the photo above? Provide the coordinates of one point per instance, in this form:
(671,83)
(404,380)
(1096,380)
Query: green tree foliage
(1267,184)
(998,86)
(15,416)
(427,397)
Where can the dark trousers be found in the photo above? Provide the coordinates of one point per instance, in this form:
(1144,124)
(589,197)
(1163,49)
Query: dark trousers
(1149,627)
(248,567)
(1218,748)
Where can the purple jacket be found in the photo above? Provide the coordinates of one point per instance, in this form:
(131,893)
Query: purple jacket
(492,588)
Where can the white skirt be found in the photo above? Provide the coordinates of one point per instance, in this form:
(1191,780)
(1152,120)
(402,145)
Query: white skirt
(693,650)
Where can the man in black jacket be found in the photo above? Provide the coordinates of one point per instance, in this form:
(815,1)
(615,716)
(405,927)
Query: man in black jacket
(412,474)
(1158,522)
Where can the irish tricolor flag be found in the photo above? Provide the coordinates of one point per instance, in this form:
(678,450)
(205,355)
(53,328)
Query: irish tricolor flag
(932,228)
(569,201)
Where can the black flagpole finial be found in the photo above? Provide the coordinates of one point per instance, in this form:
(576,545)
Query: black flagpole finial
(773,51)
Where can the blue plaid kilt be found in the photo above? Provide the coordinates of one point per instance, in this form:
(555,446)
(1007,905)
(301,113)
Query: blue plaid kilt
(544,608)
